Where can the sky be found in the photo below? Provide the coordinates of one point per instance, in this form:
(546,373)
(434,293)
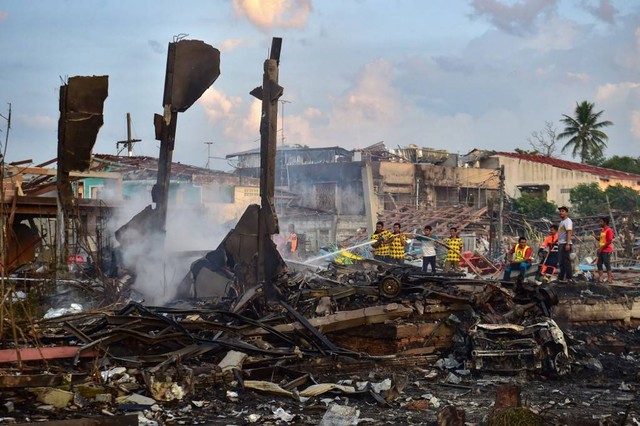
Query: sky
(443,74)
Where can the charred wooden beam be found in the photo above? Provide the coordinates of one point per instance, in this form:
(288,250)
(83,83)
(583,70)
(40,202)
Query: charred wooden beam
(192,66)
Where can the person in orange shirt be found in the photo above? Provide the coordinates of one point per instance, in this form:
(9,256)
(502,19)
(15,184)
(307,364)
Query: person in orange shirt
(548,253)
(292,242)
(521,258)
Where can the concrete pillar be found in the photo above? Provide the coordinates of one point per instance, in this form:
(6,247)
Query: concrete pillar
(370,198)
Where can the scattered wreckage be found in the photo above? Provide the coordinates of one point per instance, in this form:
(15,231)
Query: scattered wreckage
(267,339)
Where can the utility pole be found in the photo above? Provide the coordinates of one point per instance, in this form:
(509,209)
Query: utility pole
(4,246)
(269,93)
(282,102)
(129,142)
(500,209)
(208,154)
(6,139)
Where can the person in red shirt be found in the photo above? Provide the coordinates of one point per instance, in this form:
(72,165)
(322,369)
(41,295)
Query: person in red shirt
(605,249)
(521,258)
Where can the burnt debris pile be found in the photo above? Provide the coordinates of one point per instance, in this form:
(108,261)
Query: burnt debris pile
(356,338)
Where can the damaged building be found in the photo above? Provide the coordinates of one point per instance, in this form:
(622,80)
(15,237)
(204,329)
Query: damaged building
(335,193)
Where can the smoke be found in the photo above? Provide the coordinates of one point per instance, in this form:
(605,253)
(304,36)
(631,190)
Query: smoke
(271,14)
(192,226)
(355,204)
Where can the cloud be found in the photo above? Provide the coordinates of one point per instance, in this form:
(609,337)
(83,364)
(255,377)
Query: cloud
(274,13)
(581,76)
(231,44)
(604,11)
(453,64)
(617,92)
(239,123)
(635,124)
(373,98)
(517,19)
(38,121)
(218,105)
(3,15)
(621,101)
(555,33)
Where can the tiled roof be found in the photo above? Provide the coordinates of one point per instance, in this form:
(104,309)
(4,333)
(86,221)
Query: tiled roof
(464,218)
(570,165)
(139,167)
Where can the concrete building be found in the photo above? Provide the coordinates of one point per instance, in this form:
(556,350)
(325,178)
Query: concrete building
(550,177)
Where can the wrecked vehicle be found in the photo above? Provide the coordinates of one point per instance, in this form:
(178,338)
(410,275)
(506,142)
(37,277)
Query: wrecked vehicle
(509,348)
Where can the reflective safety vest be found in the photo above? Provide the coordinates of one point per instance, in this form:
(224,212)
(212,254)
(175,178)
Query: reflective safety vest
(520,253)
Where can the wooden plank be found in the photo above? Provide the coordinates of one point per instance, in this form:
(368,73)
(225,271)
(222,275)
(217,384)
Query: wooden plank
(349,364)
(593,311)
(35,354)
(38,380)
(344,320)
(126,420)
(52,172)
(371,342)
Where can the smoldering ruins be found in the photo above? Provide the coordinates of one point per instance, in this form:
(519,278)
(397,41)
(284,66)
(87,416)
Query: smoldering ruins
(126,302)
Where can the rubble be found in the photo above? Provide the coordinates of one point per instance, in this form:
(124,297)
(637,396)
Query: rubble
(210,357)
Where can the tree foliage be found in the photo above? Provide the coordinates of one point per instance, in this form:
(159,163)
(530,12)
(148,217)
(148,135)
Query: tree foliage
(535,207)
(590,200)
(623,198)
(584,131)
(623,164)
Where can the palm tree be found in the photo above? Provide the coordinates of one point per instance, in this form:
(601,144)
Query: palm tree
(586,138)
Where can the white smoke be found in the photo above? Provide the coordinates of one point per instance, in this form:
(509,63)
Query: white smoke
(194,228)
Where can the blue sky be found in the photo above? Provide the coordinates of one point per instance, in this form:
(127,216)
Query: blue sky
(445,74)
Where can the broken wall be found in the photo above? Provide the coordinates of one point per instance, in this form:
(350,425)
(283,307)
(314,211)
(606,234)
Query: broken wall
(319,229)
(333,187)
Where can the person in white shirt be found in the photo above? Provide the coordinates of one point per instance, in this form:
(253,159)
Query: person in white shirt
(428,250)
(565,232)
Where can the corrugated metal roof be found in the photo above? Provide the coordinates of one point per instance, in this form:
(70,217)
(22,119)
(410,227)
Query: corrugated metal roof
(570,165)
